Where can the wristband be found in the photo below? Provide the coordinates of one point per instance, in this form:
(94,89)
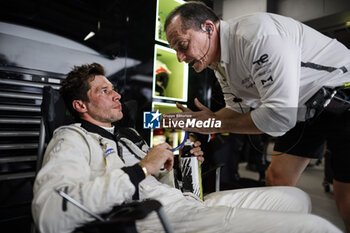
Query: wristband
(144,169)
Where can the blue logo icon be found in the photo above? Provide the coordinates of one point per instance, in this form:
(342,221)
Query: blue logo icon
(151,120)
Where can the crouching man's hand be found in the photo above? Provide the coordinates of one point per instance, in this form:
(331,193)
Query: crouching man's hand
(197,151)
(157,157)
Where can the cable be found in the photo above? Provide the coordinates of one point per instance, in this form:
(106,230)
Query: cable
(205,54)
(260,151)
(181,144)
(282,153)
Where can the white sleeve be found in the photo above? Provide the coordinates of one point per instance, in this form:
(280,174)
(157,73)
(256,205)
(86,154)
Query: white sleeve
(67,168)
(276,72)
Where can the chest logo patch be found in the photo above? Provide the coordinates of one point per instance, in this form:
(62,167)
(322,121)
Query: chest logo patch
(263,59)
(266,82)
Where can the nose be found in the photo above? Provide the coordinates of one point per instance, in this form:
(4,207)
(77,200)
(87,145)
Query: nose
(116,96)
(180,56)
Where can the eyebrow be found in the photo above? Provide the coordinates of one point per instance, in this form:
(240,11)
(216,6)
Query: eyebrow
(101,88)
(111,85)
(176,40)
(172,45)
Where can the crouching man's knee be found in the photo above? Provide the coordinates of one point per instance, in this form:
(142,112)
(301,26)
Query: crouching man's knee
(276,177)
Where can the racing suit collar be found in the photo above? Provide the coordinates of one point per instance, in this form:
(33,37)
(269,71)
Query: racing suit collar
(97,129)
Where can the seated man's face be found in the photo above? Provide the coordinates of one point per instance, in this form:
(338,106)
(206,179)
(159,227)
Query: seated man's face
(104,106)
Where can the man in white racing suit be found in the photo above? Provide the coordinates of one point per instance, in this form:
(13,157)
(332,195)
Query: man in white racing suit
(96,164)
(270,67)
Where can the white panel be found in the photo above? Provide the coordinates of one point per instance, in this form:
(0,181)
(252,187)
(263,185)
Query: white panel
(303,10)
(37,54)
(42,36)
(234,8)
(300,9)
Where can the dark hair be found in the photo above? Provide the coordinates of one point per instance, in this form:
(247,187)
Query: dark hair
(193,14)
(77,84)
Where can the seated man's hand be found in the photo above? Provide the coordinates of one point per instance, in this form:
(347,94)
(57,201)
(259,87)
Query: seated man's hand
(157,157)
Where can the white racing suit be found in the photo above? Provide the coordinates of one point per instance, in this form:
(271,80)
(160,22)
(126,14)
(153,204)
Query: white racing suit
(87,167)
